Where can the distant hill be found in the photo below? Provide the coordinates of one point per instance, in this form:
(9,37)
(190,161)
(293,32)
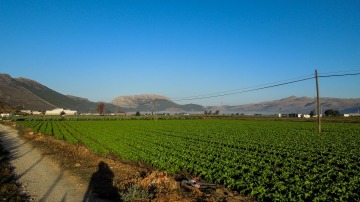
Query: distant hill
(23,93)
(29,94)
(295,104)
(152,103)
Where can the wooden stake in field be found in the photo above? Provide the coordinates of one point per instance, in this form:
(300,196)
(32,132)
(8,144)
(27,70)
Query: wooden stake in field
(318,102)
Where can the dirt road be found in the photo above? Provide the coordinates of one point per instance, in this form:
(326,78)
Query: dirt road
(39,175)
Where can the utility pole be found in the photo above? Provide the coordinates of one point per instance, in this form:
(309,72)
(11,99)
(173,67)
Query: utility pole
(117,109)
(156,106)
(318,101)
(155,101)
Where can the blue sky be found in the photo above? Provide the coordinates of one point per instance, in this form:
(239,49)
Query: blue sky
(103,49)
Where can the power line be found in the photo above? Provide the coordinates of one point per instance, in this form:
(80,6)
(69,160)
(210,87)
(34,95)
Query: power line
(245,91)
(260,87)
(239,89)
(340,72)
(338,75)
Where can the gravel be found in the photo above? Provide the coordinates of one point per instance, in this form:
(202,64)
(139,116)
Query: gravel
(40,176)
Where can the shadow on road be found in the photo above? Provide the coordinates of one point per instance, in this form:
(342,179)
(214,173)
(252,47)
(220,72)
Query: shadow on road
(13,144)
(30,168)
(51,188)
(101,185)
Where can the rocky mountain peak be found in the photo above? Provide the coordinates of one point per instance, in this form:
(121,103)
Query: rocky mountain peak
(5,79)
(133,101)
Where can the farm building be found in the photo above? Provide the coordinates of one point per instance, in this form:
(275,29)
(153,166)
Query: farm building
(36,113)
(25,111)
(295,115)
(58,111)
(5,114)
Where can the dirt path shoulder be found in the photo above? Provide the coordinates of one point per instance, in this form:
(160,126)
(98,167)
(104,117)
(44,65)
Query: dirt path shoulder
(40,177)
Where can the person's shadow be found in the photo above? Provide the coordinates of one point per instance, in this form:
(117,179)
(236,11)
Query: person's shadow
(101,185)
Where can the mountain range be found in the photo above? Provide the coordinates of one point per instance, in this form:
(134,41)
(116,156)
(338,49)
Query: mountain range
(23,93)
(302,105)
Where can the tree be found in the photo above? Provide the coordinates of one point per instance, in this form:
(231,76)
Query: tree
(101,108)
(217,112)
(62,113)
(331,112)
(312,113)
(137,113)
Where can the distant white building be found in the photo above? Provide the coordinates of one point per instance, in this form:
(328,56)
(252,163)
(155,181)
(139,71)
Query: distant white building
(25,111)
(306,116)
(36,113)
(295,115)
(5,115)
(58,111)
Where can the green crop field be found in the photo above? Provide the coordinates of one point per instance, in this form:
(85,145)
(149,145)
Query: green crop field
(266,160)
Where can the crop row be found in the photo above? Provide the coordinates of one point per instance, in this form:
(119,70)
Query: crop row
(266,160)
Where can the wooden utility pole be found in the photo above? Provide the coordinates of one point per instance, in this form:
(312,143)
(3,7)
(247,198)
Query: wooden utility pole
(156,107)
(318,101)
(156,103)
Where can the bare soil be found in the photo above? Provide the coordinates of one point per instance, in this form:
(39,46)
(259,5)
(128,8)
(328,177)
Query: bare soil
(54,170)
